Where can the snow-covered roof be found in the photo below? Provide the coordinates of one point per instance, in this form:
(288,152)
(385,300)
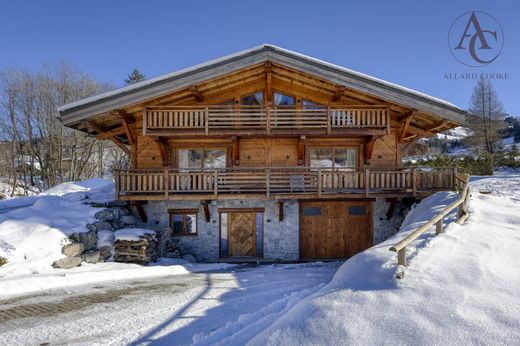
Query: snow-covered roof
(76,111)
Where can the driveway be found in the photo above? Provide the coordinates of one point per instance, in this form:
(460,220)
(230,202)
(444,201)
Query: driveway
(227,307)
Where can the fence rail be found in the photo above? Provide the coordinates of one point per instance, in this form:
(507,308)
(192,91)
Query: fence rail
(269,181)
(269,119)
(461,184)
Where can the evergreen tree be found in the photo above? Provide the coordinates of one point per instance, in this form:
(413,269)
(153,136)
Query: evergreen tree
(134,77)
(486,119)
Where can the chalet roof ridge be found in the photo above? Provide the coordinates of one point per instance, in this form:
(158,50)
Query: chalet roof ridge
(231,62)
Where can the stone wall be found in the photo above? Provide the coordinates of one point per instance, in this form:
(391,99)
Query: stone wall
(281,239)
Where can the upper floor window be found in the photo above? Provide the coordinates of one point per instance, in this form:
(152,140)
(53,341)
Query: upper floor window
(308,104)
(333,157)
(280,99)
(202,158)
(256,99)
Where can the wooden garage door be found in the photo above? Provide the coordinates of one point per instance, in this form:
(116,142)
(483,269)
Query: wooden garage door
(334,229)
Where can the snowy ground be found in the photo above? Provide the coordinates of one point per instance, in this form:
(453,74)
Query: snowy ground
(460,288)
(226,308)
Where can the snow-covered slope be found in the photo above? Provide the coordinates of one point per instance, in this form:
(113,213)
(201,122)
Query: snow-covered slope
(460,288)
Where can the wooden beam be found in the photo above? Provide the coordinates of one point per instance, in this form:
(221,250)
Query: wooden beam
(164,150)
(140,210)
(99,129)
(369,148)
(280,210)
(196,93)
(337,95)
(205,206)
(301,151)
(435,125)
(102,135)
(125,121)
(405,126)
(268,83)
(235,151)
(391,208)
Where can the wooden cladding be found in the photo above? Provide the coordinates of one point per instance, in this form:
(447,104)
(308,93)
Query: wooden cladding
(287,182)
(213,119)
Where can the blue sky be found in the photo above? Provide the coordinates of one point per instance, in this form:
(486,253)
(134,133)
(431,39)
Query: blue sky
(405,42)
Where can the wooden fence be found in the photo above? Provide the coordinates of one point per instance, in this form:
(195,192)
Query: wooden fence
(208,118)
(287,180)
(461,185)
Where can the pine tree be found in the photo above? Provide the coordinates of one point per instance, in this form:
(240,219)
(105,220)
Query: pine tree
(134,77)
(486,119)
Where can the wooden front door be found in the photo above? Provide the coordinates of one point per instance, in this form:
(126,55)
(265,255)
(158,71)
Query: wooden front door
(338,229)
(242,234)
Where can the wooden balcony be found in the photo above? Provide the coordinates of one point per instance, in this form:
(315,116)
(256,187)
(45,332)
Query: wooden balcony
(218,120)
(278,183)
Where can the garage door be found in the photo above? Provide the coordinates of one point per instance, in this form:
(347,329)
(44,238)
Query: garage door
(334,229)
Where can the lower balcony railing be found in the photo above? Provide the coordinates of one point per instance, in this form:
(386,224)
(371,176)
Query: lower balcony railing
(287,182)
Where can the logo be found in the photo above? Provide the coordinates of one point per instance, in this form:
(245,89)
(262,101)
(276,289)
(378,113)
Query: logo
(476,39)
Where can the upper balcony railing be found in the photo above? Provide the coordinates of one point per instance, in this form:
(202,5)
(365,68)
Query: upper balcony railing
(217,119)
(283,182)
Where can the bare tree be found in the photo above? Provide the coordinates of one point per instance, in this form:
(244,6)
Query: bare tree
(486,119)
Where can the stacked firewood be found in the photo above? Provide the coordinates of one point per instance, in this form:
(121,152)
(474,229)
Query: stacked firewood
(144,250)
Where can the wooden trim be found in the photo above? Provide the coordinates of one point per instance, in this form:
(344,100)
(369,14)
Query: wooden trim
(196,93)
(183,211)
(205,205)
(110,133)
(126,121)
(241,210)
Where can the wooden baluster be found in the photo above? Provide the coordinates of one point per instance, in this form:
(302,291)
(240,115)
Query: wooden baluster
(268,119)
(206,120)
(268,182)
(166,183)
(319,182)
(414,181)
(329,115)
(215,183)
(367,181)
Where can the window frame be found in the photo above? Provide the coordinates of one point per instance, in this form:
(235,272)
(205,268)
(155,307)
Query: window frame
(252,94)
(333,148)
(226,148)
(184,213)
(285,94)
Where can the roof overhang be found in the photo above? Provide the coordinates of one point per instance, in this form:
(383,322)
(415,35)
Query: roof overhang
(75,112)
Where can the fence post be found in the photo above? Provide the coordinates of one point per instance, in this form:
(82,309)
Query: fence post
(268,182)
(166,183)
(414,181)
(215,183)
(367,181)
(206,116)
(328,119)
(319,182)
(401,257)
(439,227)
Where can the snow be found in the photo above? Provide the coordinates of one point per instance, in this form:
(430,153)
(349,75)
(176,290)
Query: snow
(244,53)
(33,230)
(131,234)
(459,288)
(105,238)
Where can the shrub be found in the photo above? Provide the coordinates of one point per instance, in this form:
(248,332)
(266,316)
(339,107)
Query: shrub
(2,261)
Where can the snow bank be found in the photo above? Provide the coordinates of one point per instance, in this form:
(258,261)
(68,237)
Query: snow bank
(34,229)
(131,234)
(460,288)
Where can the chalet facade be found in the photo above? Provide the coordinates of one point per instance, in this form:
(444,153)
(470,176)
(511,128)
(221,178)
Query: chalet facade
(268,153)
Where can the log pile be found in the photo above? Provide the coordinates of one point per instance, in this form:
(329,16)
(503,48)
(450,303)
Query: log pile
(144,250)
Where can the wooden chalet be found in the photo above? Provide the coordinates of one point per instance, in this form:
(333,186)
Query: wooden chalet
(268,153)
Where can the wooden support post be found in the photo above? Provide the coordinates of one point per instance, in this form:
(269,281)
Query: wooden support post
(268,182)
(391,208)
(388,127)
(367,181)
(205,206)
(280,210)
(454,179)
(140,210)
(439,227)
(206,120)
(401,257)
(414,181)
(145,120)
(215,183)
(196,93)
(369,149)
(268,119)
(235,151)
(328,119)
(301,151)
(117,174)
(126,121)
(319,182)
(166,183)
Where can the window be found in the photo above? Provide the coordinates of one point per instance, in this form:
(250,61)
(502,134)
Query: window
(357,210)
(282,99)
(308,104)
(312,211)
(333,157)
(183,221)
(199,158)
(256,99)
